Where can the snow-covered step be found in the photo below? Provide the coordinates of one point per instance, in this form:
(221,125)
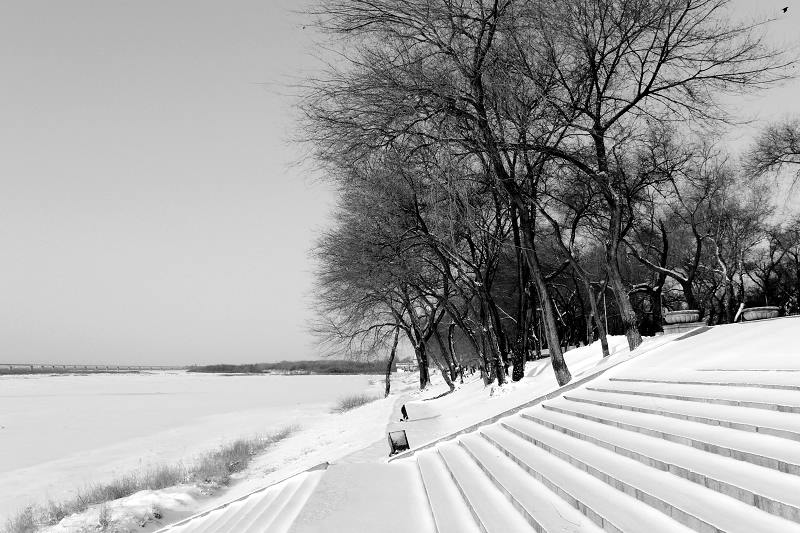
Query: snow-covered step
(541,508)
(694,506)
(611,510)
(247,517)
(774,492)
(249,514)
(784,425)
(216,521)
(288,513)
(774,400)
(732,380)
(450,511)
(728,370)
(380,497)
(275,508)
(492,511)
(763,450)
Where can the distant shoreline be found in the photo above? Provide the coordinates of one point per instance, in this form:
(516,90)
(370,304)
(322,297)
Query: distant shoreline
(28,369)
(298,368)
(301,373)
(326,367)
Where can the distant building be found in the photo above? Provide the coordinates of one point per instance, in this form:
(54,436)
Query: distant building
(407,366)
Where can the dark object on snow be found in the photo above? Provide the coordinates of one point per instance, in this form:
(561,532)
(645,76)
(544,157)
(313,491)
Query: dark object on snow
(398,442)
(404,412)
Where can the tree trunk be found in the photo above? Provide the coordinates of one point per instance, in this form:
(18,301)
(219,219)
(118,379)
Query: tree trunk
(445,356)
(497,327)
(422,360)
(445,374)
(688,294)
(496,162)
(598,319)
(520,351)
(626,311)
(614,236)
(459,320)
(391,360)
(451,345)
(657,315)
(557,361)
(730,300)
(494,363)
(537,330)
(585,336)
(560,369)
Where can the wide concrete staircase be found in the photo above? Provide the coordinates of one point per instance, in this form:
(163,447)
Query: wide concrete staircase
(706,451)
(702,451)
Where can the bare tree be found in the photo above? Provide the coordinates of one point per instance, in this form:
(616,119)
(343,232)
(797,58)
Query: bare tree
(622,64)
(429,71)
(519,95)
(777,147)
(672,238)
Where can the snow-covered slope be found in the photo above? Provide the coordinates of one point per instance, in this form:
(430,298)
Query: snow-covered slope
(272,509)
(700,434)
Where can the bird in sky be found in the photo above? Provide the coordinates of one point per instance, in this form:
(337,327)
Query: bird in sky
(785,9)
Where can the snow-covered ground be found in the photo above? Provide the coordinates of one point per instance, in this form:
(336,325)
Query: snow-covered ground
(721,450)
(770,344)
(359,435)
(472,402)
(758,345)
(324,436)
(59,433)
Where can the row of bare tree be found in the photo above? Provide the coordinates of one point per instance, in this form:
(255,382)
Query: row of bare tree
(514,175)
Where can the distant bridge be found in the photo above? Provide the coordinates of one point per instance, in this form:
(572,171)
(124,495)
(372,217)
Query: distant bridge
(29,368)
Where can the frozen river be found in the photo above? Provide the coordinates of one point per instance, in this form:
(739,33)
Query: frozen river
(64,431)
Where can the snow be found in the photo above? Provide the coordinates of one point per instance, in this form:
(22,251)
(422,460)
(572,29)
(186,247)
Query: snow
(355,497)
(355,436)
(137,512)
(772,344)
(751,396)
(675,494)
(545,508)
(682,409)
(767,484)
(99,427)
(450,512)
(767,344)
(755,351)
(619,510)
(491,507)
(472,402)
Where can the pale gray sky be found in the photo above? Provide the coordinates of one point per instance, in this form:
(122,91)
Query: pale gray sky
(149,211)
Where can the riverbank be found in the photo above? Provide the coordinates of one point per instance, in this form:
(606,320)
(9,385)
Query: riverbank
(208,473)
(328,437)
(354,436)
(314,367)
(433,415)
(24,370)
(60,434)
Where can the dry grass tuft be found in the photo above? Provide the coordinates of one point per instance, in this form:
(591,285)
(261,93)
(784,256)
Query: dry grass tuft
(24,522)
(212,468)
(352,401)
